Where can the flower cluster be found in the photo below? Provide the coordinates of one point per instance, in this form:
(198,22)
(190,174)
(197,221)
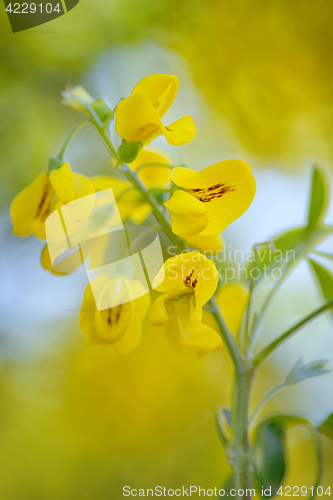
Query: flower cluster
(200,205)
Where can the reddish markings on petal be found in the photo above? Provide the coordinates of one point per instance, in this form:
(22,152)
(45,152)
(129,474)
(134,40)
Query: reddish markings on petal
(208,194)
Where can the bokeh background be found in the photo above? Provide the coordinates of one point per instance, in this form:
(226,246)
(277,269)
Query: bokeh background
(80,421)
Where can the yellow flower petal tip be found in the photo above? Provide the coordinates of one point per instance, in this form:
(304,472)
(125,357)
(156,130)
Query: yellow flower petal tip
(190,280)
(223,192)
(138,117)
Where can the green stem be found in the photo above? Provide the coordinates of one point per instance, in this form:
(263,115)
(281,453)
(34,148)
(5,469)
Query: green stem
(161,219)
(71,136)
(226,335)
(101,128)
(282,338)
(240,449)
(265,400)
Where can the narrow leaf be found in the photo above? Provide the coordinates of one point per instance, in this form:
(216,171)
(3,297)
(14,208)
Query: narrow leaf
(223,422)
(302,371)
(324,279)
(319,197)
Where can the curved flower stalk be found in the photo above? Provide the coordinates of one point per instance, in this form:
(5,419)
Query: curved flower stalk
(211,199)
(121,324)
(190,280)
(48,192)
(138,117)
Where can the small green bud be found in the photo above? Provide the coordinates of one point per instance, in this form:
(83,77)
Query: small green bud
(128,151)
(55,163)
(102,109)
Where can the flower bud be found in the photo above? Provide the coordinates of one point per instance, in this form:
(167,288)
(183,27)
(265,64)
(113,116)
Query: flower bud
(77,97)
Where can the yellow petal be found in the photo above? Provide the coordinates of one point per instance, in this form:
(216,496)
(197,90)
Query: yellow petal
(31,207)
(186,226)
(137,119)
(206,243)
(188,215)
(178,268)
(132,337)
(173,333)
(155,174)
(129,202)
(160,89)
(82,186)
(181,131)
(158,315)
(67,265)
(102,182)
(112,323)
(87,315)
(232,299)
(63,183)
(197,334)
(184,203)
(225,189)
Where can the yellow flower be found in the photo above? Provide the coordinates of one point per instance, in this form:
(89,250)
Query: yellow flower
(210,199)
(232,299)
(212,243)
(138,117)
(190,280)
(155,174)
(121,324)
(131,204)
(71,261)
(31,207)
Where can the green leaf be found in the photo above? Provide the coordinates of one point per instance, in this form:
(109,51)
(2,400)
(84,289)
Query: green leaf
(289,246)
(324,279)
(302,371)
(326,427)
(269,455)
(320,193)
(128,151)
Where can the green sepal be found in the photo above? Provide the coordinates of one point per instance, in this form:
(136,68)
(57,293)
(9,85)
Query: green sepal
(128,151)
(55,163)
(102,109)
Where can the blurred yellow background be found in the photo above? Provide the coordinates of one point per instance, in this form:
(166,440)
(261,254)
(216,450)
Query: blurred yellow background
(79,421)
